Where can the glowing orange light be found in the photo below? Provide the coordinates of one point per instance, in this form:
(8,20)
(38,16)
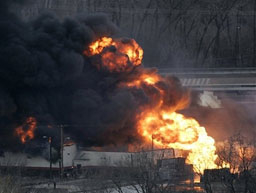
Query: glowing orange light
(173,130)
(149,79)
(26,131)
(98,46)
(122,56)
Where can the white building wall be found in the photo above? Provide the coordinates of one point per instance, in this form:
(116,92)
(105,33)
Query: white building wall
(69,154)
(94,159)
(118,159)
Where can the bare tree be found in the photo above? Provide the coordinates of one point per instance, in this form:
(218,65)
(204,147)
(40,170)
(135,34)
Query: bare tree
(143,175)
(239,154)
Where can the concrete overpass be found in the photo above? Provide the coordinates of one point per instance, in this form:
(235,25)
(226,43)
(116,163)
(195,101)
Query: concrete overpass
(216,84)
(215,79)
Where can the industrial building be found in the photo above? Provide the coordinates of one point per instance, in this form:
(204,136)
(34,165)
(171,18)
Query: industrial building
(77,157)
(76,160)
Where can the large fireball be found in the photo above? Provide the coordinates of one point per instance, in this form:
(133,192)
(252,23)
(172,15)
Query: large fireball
(117,55)
(173,130)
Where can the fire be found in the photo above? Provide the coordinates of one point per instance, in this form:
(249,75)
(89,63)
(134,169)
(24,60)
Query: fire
(169,129)
(173,130)
(132,50)
(150,79)
(157,120)
(117,55)
(26,131)
(98,46)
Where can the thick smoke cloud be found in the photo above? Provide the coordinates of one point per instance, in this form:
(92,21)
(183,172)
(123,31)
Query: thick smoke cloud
(44,74)
(42,70)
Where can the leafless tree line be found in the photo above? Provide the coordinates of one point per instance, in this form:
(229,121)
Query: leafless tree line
(175,33)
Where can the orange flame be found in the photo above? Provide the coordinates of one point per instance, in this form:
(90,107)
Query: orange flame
(173,130)
(98,46)
(170,129)
(150,79)
(162,97)
(26,131)
(117,55)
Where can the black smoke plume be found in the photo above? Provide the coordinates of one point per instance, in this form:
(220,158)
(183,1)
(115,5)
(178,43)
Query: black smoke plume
(42,70)
(44,74)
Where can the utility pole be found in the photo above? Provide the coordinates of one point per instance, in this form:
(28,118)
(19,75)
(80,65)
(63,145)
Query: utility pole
(50,154)
(152,149)
(151,174)
(61,152)
(50,144)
